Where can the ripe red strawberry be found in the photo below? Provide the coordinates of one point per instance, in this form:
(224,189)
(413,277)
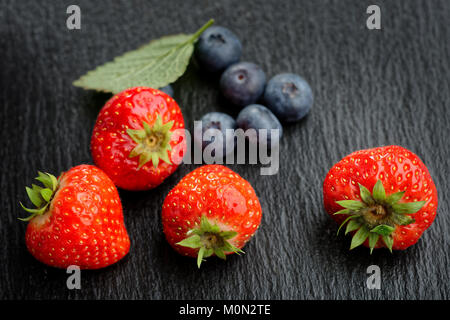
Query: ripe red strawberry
(139,138)
(78,220)
(402,203)
(212,210)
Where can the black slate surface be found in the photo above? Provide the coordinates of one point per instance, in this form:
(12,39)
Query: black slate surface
(371,88)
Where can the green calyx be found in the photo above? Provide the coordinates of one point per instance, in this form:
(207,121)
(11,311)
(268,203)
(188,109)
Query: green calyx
(153,142)
(41,197)
(376,215)
(209,239)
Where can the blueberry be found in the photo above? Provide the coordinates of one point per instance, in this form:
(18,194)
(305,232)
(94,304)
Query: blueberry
(219,121)
(243,83)
(256,116)
(289,97)
(167,89)
(217,48)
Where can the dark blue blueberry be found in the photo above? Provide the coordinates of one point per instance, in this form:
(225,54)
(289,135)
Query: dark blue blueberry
(219,121)
(243,83)
(289,97)
(256,116)
(167,89)
(217,48)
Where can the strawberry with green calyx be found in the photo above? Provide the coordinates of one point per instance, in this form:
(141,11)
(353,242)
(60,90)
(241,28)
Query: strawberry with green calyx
(376,215)
(384,196)
(153,142)
(78,220)
(40,196)
(211,211)
(209,239)
(139,138)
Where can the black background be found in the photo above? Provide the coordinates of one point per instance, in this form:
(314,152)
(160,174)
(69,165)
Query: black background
(371,88)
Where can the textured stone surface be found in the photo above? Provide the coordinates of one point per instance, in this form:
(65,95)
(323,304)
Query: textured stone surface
(371,88)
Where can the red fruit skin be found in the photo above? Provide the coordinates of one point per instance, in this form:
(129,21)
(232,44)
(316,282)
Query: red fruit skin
(84,225)
(111,145)
(399,170)
(217,192)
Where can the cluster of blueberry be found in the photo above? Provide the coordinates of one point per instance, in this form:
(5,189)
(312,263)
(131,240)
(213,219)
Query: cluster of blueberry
(286,97)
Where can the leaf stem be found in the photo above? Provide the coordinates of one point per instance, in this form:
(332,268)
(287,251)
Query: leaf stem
(202,29)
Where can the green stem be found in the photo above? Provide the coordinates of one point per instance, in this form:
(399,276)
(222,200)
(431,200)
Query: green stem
(202,29)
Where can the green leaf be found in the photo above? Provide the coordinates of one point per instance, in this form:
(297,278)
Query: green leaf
(229,247)
(36,188)
(219,252)
(365,195)
(201,252)
(208,227)
(343,223)
(54,181)
(204,224)
(46,194)
(383,230)
(191,242)
(226,235)
(373,239)
(154,65)
(208,252)
(343,211)
(143,158)
(28,218)
(147,128)
(351,204)
(34,212)
(402,219)
(408,207)
(359,237)
(155,159)
(164,156)
(352,226)
(379,194)
(395,197)
(136,135)
(35,197)
(45,179)
(388,241)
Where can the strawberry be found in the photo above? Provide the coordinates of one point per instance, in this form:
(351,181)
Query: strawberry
(385,196)
(78,220)
(139,138)
(211,211)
